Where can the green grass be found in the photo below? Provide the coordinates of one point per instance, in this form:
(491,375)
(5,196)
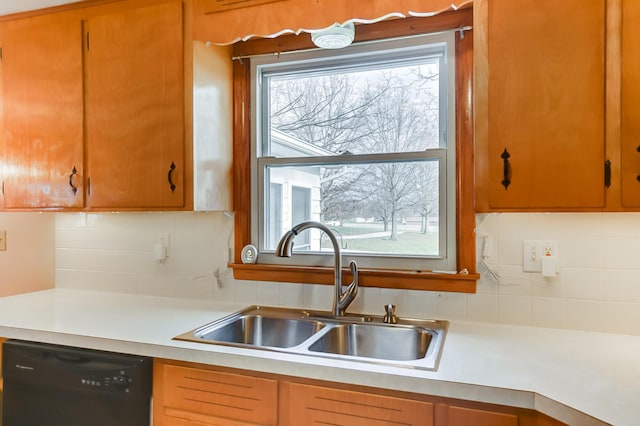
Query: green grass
(410,240)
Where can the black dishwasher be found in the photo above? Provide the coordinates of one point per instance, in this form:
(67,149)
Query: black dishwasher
(55,385)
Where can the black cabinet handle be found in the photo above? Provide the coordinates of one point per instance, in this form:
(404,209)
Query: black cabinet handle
(506,169)
(170,176)
(638,150)
(74,172)
(607,173)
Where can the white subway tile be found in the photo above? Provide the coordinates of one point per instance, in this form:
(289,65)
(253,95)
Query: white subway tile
(268,293)
(548,312)
(621,225)
(620,317)
(514,309)
(581,252)
(621,253)
(366,302)
(598,287)
(514,281)
(392,296)
(451,305)
(482,307)
(548,286)
(319,297)
(421,304)
(584,315)
(292,295)
(582,283)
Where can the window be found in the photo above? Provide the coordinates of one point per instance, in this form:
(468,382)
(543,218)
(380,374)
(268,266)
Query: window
(375,141)
(369,129)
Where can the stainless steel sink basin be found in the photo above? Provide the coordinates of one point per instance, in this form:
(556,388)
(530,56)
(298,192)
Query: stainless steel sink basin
(409,343)
(400,343)
(260,330)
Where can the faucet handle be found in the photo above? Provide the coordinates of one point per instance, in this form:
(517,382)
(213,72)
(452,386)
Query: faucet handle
(390,315)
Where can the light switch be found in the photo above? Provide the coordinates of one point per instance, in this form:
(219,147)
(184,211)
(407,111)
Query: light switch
(534,250)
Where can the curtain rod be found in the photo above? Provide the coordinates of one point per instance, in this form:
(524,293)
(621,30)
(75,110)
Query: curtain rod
(459,30)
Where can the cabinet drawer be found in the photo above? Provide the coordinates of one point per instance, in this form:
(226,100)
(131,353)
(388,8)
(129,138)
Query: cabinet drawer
(185,418)
(461,416)
(229,396)
(314,405)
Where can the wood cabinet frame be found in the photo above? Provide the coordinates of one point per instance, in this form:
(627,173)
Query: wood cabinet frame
(465,224)
(616,106)
(443,410)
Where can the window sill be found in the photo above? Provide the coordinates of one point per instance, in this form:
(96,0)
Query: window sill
(383,278)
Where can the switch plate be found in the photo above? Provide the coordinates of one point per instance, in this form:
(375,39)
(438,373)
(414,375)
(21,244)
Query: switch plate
(533,250)
(3,240)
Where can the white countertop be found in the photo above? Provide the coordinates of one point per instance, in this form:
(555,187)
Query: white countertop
(561,373)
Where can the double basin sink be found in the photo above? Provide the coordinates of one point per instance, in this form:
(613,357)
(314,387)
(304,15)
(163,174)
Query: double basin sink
(407,343)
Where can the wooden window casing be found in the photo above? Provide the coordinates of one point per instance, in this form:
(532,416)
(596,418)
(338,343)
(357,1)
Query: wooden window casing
(465,214)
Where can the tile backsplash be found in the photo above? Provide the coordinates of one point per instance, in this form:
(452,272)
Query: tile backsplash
(597,288)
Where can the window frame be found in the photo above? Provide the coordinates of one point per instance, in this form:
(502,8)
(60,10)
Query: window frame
(463,281)
(390,52)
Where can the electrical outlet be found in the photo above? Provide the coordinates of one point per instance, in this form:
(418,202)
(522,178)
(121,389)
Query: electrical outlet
(534,250)
(3,240)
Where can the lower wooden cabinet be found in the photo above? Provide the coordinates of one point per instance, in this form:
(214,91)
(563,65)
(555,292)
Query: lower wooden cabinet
(320,405)
(197,396)
(451,415)
(188,394)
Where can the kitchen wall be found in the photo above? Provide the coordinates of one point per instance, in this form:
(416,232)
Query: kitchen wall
(598,287)
(28,263)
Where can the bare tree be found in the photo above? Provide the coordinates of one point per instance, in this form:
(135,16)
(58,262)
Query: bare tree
(341,113)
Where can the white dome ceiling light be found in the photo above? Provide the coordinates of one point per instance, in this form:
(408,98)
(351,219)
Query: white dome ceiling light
(334,37)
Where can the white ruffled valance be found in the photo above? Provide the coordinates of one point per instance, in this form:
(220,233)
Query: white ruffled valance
(295,16)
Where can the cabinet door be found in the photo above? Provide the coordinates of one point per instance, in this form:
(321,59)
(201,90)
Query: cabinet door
(450,415)
(199,396)
(305,404)
(135,108)
(630,132)
(42,159)
(545,94)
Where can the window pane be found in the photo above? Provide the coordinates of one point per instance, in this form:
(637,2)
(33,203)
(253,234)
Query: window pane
(384,108)
(274,214)
(379,208)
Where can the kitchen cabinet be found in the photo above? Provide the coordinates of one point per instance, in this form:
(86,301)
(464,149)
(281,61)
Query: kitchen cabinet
(630,110)
(307,404)
(196,394)
(134,62)
(451,415)
(540,105)
(42,159)
(199,396)
(109,107)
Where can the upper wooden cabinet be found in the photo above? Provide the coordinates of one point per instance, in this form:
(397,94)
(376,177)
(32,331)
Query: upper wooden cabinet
(540,105)
(109,107)
(135,108)
(630,117)
(42,141)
